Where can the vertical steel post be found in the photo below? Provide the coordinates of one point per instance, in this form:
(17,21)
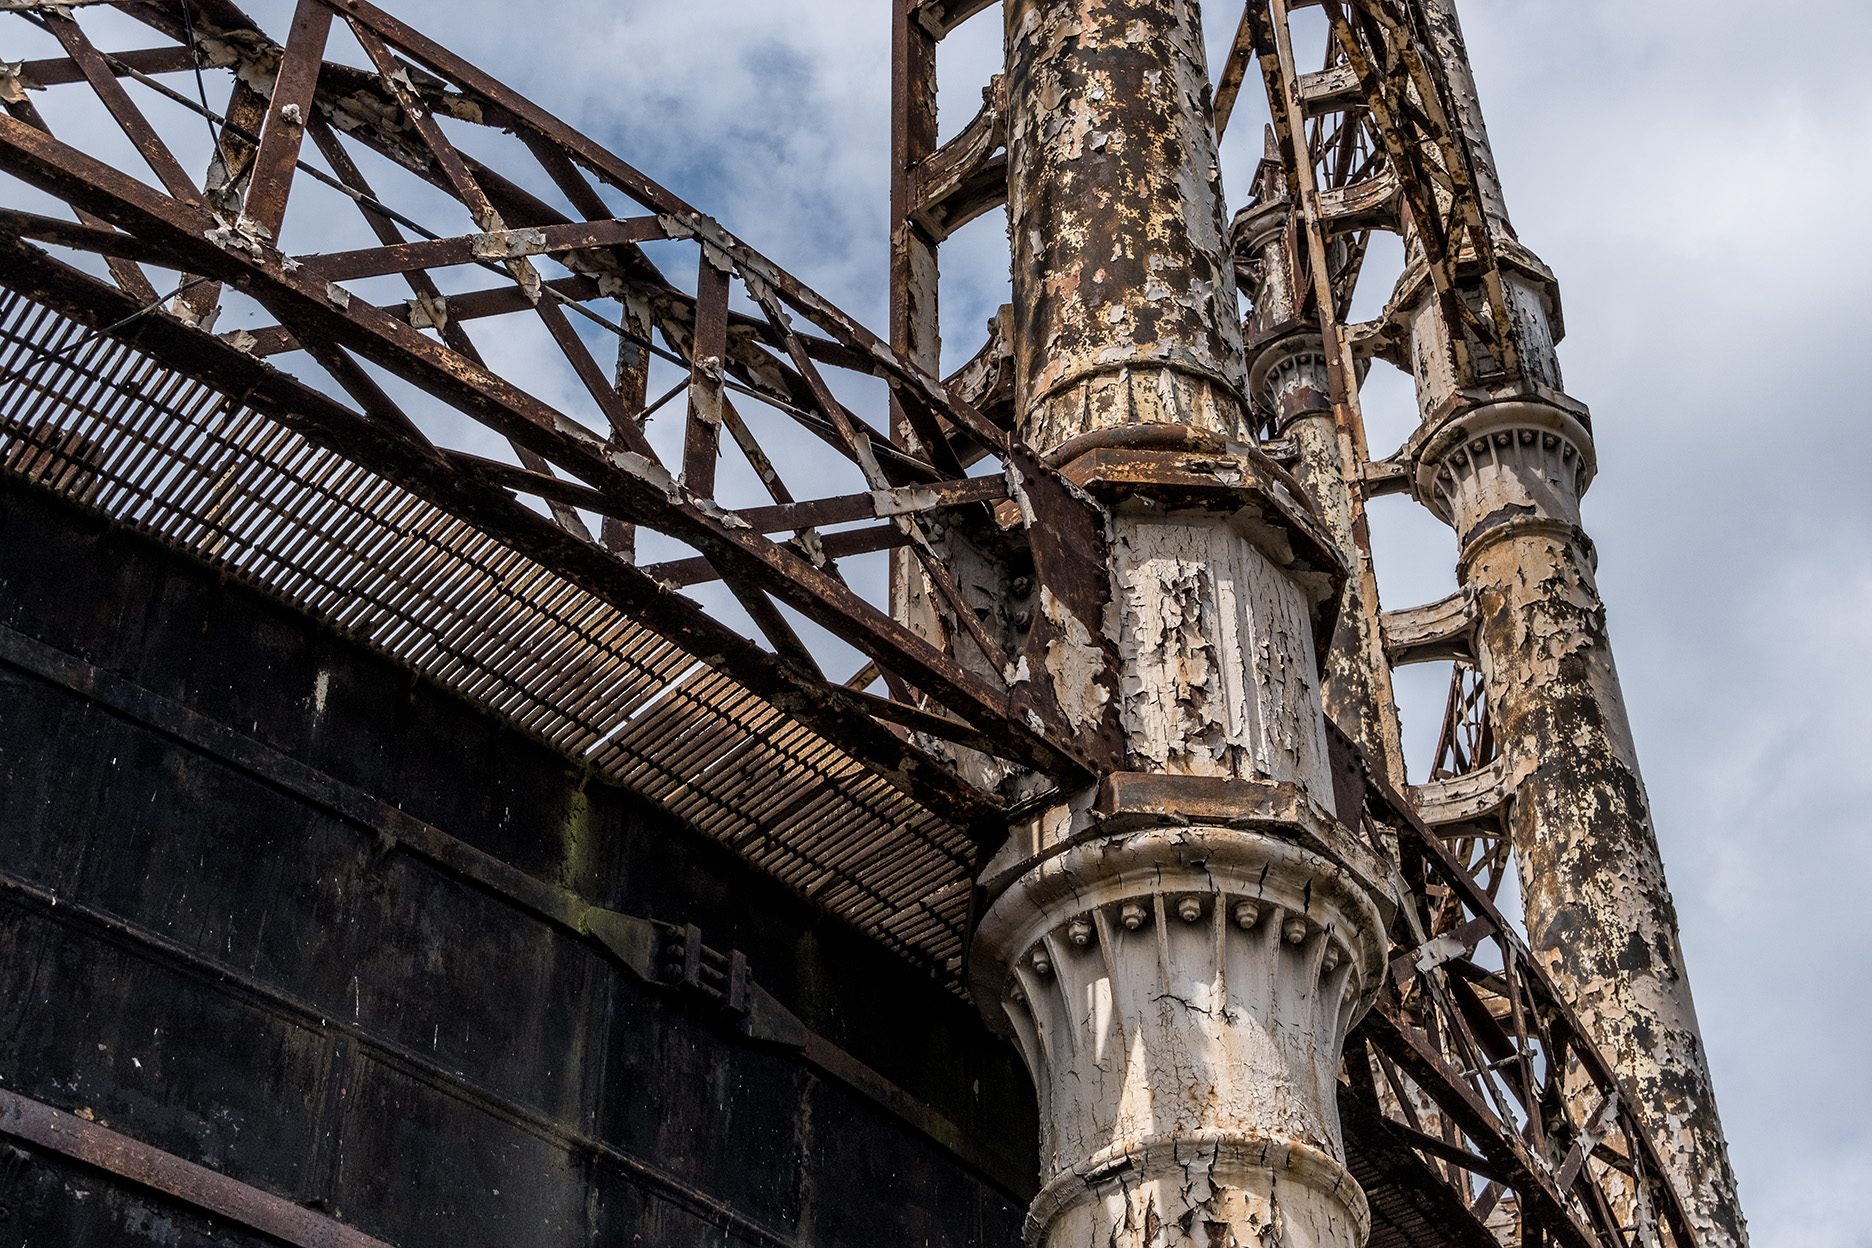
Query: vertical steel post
(914,329)
(913,138)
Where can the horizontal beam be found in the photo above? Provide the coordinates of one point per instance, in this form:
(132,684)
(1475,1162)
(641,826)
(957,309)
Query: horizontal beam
(682,573)
(99,240)
(197,1186)
(939,17)
(58,70)
(500,245)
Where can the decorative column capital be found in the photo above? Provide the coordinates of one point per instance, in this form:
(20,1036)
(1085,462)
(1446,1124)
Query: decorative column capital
(1181,992)
(1512,461)
(1288,380)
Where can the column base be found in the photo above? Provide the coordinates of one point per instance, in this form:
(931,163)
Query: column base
(1204,1191)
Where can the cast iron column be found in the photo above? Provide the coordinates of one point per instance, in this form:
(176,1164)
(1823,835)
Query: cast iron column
(1290,387)
(1124,308)
(1506,470)
(1180,950)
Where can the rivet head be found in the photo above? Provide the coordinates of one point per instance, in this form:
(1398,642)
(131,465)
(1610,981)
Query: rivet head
(1079,931)
(1041,962)
(1549,441)
(1189,909)
(1331,961)
(1295,930)
(1246,914)
(1527,437)
(1479,445)
(1503,438)
(1131,915)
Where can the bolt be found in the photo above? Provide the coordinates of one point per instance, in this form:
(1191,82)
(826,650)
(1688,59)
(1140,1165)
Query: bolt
(1189,909)
(1247,914)
(1331,962)
(1041,962)
(1079,931)
(1295,930)
(1132,916)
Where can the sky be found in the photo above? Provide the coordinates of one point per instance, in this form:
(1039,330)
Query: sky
(1696,176)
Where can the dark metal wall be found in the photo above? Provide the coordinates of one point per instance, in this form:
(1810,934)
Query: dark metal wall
(257,975)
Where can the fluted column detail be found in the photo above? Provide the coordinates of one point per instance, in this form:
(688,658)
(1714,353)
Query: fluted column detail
(1181,995)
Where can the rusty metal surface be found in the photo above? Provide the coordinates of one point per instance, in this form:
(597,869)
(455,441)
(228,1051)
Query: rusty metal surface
(1474,1042)
(1123,296)
(770,363)
(1535,752)
(118,1154)
(1599,909)
(638,945)
(517,584)
(176,458)
(1301,393)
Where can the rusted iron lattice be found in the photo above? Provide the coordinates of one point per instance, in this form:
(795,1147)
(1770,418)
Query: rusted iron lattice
(1383,148)
(231,232)
(1465,1045)
(1466,748)
(120,429)
(1472,1058)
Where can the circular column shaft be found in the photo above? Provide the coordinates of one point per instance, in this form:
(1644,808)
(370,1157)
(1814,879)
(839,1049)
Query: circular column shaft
(1508,476)
(1504,460)
(1181,994)
(1124,300)
(1290,390)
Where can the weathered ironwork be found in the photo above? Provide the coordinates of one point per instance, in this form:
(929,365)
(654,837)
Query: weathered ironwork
(1119,645)
(1502,454)
(1475,1050)
(118,1154)
(613,469)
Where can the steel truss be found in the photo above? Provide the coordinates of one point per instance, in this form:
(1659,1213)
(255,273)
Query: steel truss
(229,230)
(1471,1056)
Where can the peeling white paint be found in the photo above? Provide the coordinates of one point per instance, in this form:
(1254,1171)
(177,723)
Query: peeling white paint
(1186,1060)
(1216,645)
